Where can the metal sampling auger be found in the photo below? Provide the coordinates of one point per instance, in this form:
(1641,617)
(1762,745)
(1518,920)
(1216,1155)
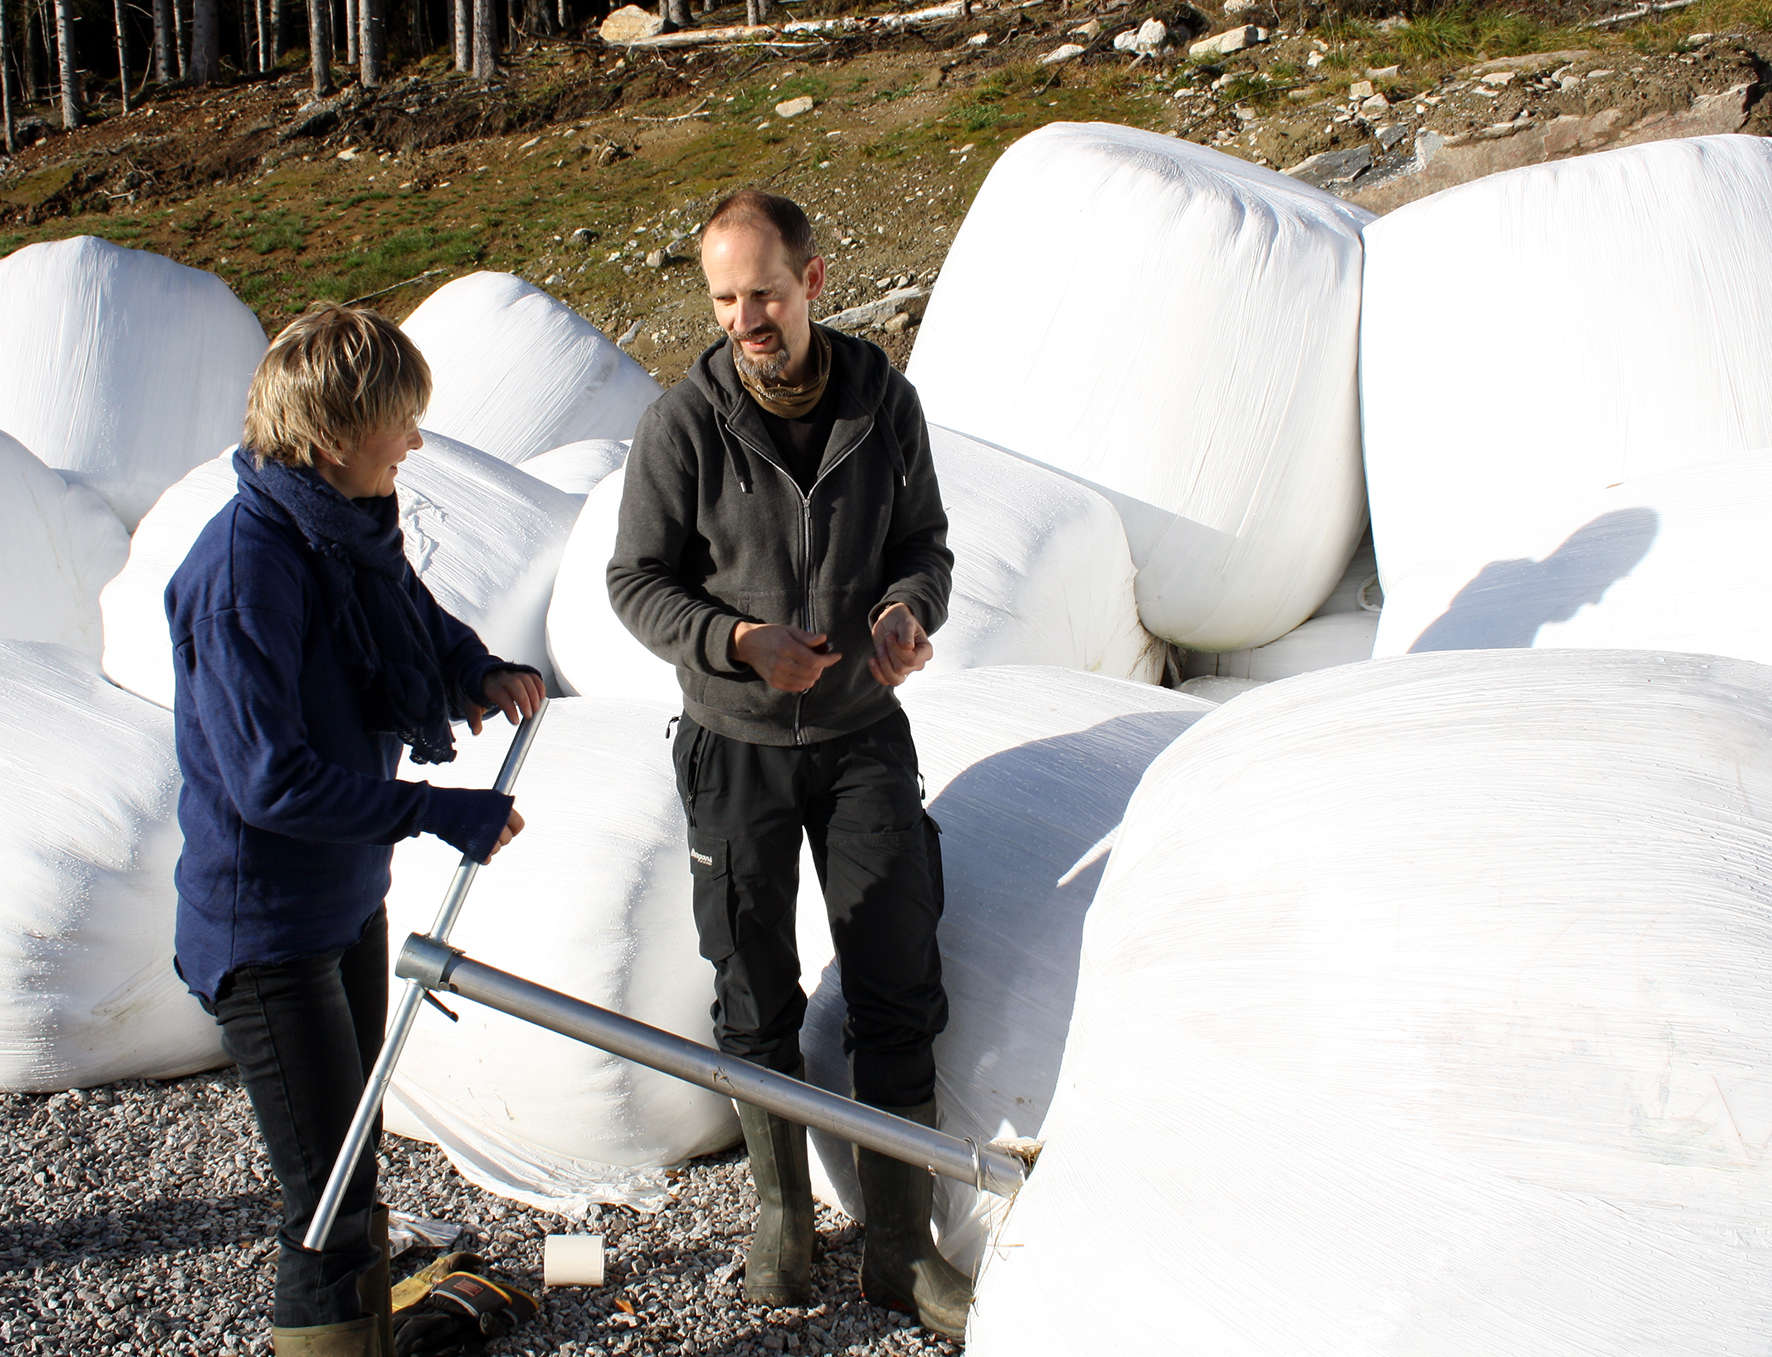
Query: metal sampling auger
(428,963)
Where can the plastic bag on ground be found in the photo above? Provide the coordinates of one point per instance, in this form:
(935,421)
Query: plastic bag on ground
(119,367)
(59,544)
(1041,576)
(1416,1016)
(1656,264)
(577,467)
(485,538)
(88,839)
(1027,771)
(592,899)
(517,372)
(1190,353)
(1675,560)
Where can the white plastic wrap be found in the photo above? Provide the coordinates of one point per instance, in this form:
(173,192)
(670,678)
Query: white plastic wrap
(88,838)
(1425,1007)
(1041,576)
(577,467)
(1321,643)
(120,367)
(593,654)
(1676,560)
(1654,263)
(485,538)
(517,372)
(59,544)
(1041,570)
(1189,351)
(1028,771)
(593,899)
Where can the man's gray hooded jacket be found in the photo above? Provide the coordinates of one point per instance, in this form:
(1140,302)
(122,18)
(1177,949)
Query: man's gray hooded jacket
(715,531)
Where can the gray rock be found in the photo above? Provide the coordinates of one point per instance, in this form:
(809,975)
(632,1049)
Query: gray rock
(1231,40)
(793,108)
(1151,36)
(1070,51)
(583,237)
(1332,169)
(630,23)
(909,301)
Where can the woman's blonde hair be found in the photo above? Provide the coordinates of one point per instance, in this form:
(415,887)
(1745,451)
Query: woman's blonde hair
(333,378)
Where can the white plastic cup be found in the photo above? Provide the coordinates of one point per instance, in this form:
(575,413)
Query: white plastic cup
(572,1260)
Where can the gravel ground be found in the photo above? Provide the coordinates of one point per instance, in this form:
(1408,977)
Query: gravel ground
(139,1219)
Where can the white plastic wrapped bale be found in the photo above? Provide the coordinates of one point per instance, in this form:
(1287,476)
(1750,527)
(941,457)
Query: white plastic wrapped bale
(576,468)
(1028,771)
(1676,560)
(594,900)
(1042,574)
(59,544)
(485,538)
(120,367)
(1657,261)
(1416,1016)
(87,845)
(593,654)
(517,372)
(1190,353)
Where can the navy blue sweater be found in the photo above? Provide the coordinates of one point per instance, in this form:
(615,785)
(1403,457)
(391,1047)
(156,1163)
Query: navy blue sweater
(289,808)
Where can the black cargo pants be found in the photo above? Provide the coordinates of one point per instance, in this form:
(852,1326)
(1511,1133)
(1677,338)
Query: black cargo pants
(878,858)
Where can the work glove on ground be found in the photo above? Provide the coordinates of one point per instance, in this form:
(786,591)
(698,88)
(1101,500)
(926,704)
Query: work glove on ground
(462,1312)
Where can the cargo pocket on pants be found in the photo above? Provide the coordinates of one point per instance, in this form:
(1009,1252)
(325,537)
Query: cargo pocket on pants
(932,847)
(710,863)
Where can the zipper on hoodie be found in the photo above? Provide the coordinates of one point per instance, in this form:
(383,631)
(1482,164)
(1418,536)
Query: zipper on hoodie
(807,617)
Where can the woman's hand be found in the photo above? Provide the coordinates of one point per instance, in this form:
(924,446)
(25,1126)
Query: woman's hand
(513,827)
(516,693)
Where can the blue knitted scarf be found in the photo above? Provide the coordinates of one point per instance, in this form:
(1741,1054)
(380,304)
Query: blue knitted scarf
(361,557)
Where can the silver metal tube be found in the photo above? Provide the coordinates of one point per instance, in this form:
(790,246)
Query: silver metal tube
(426,962)
(369,1105)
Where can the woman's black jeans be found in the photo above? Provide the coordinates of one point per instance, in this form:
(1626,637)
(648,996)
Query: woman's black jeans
(305,1034)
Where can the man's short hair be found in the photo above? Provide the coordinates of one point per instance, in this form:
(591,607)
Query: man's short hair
(754,207)
(336,376)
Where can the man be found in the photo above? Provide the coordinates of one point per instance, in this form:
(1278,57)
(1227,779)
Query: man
(782,542)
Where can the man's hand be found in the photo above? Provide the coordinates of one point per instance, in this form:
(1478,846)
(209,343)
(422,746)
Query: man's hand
(901,646)
(784,657)
(515,693)
(513,827)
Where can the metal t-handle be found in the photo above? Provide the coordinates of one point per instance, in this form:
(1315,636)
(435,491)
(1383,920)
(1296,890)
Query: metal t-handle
(377,1087)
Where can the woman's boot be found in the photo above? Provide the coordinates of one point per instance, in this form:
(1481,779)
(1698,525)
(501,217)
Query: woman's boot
(778,1268)
(901,1269)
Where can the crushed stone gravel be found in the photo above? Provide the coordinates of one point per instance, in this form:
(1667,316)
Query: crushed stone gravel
(140,1219)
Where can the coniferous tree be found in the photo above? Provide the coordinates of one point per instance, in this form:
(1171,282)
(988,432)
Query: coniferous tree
(205,65)
(370,44)
(485,39)
(320,45)
(122,55)
(165,43)
(6,81)
(73,106)
(464,35)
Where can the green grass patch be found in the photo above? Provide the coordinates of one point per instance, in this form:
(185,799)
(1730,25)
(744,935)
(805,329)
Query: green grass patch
(403,255)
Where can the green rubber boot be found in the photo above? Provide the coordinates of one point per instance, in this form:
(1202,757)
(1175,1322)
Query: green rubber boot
(358,1338)
(901,1269)
(375,1287)
(778,1267)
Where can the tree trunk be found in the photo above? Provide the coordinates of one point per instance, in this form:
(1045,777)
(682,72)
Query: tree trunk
(165,60)
(6,83)
(122,56)
(184,43)
(539,19)
(709,6)
(485,39)
(320,45)
(73,106)
(261,19)
(754,10)
(278,46)
(205,64)
(353,53)
(369,43)
(464,34)
(513,25)
(563,15)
